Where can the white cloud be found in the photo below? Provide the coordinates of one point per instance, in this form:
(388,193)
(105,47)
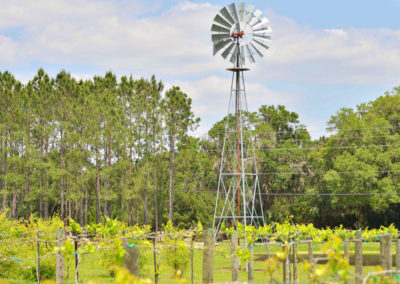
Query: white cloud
(93,33)
(361,56)
(177,42)
(7,47)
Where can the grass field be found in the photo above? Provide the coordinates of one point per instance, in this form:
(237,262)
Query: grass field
(91,270)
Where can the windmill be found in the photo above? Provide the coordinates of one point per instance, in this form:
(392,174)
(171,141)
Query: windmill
(240,35)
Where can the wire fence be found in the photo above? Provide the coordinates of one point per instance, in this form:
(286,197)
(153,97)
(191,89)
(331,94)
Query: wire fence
(234,257)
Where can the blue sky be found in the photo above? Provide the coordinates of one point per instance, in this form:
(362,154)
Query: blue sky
(324,54)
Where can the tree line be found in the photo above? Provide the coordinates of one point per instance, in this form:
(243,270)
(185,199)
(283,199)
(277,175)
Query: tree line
(120,148)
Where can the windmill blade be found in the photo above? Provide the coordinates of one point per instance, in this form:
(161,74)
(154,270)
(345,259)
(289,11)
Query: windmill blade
(261,29)
(248,18)
(261,43)
(257,13)
(222,21)
(236,28)
(227,16)
(254,22)
(263,36)
(219,37)
(249,9)
(216,28)
(233,12)
(242,55)
(249,55)
(228,50)
(263,22)
(256,50)
(241,11)
(220,45)
(248,13)
(256,18)
(234,54)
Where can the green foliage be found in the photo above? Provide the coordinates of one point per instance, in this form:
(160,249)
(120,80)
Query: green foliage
(74,227)
(18,247)
(337,267)
(287,232)
(176,252)
(123,276)
(115,144)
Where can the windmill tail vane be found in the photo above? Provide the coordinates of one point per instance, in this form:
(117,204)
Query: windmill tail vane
(239,33)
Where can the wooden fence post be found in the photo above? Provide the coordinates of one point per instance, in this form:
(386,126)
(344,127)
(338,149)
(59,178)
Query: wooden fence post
(388,249)
(234,260)
(284,264)
(346,254)
(60,262)
(131,258)
(346,250)
(76,260)
(289,272)
(250,265)
(208,256)
(38,257)
(382,247)
(155,259)
(191,259)
(310,256)
(358,259)
(295,262)
(398,254)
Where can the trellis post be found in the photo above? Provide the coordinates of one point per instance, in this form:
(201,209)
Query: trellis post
(38,256)
(358,258)
(131,257)
(234,260)
(250,272)
(60,262)
(208,256)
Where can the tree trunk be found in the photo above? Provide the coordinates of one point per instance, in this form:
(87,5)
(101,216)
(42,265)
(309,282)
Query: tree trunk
(97,188)
(155,177)
(130,212)
(14,197)
(137,210)
(14,203)
(76,213)
(46,209)
(171,176)
(105,185)
(40,184)
(81,210)
(4,204)
(86,202)
(26,190)
(69,198)
(146,195)
(22,203)
(46,198)
(40,195)
(62,180)
(155,203)
(81,201)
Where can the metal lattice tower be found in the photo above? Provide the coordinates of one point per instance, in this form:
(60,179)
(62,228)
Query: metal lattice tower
(241,34)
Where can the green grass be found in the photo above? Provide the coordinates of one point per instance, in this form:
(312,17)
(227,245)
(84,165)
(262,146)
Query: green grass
(90,269)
